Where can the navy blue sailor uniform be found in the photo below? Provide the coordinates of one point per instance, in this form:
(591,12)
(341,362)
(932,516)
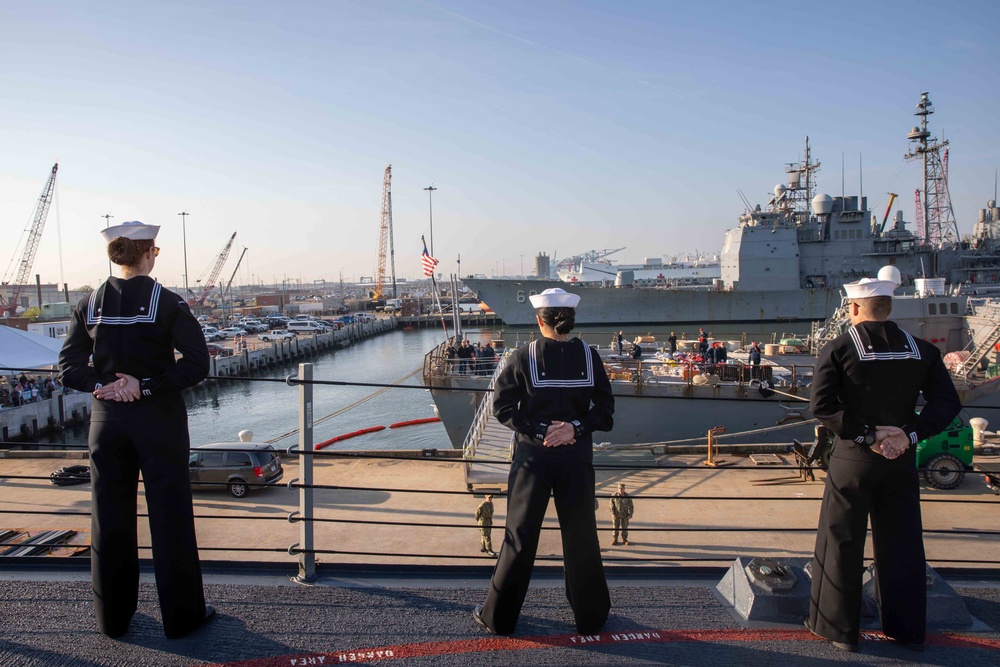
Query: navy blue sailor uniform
(546,381)
(133,326)
(873,376)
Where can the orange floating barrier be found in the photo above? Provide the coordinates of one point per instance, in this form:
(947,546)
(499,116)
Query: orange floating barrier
(411,422)
(352,434)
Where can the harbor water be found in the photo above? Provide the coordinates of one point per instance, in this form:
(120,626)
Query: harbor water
(217,411)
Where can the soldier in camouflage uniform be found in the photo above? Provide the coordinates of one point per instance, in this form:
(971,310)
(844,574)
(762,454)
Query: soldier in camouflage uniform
(621,512)
(484,517)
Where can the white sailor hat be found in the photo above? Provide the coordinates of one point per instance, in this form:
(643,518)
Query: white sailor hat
(869,287)
(554,297)
(134,230)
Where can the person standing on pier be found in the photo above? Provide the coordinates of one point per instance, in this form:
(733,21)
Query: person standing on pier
(484,517)
(621,513)
(553,393)
(672,340)
(131,327)
(866,386)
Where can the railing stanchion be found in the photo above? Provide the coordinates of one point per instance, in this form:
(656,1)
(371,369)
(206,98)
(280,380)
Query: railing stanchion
(307,559)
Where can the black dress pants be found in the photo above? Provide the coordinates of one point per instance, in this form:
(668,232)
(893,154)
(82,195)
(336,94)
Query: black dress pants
(118,452)
(530,484)
(889,492)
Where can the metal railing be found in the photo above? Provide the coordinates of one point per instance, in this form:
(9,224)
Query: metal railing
(313,511)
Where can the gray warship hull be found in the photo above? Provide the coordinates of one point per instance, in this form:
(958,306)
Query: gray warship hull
(634,306)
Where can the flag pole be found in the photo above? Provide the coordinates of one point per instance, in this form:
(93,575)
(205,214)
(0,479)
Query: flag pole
(435,292)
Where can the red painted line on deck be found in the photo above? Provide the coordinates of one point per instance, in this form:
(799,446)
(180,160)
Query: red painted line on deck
(480,645)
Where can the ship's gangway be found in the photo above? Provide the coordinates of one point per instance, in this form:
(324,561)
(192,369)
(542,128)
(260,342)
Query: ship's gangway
(489,445)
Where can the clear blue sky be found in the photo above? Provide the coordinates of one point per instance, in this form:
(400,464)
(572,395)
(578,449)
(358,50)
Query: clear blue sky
(547,126)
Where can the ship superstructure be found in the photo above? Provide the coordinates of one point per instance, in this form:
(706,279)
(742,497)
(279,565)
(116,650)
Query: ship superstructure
(788,259)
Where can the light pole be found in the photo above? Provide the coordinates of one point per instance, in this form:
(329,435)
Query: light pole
(430,203)
(184,215)
(107,225)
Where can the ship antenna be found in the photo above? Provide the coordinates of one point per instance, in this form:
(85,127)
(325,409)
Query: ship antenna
(746,202)
(843,187)
(861,182)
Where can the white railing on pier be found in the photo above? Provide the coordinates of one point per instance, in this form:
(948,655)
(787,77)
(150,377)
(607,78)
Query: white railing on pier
(489,445)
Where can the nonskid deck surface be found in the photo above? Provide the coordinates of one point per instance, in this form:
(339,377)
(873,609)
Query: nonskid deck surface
(270,624)
(263,620)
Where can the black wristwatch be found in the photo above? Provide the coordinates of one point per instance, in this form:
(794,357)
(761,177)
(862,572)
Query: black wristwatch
(869,437)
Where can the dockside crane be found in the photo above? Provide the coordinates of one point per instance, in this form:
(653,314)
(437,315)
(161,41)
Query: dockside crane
(385,239)
(9,308)
(229,284)
(213,274)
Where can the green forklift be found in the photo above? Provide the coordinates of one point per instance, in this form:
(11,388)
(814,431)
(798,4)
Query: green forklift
(943,459)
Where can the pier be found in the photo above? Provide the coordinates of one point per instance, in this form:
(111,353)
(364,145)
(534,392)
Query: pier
(468,319)
(28,423)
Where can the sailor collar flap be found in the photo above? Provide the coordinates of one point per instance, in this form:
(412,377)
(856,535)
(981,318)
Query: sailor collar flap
(110,305)
(894,343)
(573,375)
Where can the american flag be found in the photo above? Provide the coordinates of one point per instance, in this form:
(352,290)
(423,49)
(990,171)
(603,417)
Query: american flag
(428,262)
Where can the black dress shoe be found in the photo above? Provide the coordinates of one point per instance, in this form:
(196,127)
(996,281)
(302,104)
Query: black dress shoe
(843,646)
(209,615)
(477,616)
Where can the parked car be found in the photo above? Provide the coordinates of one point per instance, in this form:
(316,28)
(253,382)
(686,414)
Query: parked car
(212,334)
(275,334)
(232,332)
(216,350)
(253,326)
(258,465)
(362,317)
(305,327)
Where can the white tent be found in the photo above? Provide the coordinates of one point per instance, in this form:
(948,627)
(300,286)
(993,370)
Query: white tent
(20,349)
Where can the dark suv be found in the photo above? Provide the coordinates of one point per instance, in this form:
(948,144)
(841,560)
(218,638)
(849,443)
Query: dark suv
(257,464)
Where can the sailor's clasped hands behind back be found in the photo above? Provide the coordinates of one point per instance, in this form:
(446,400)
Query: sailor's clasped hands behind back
(125,389)
(890,441)
(559,433)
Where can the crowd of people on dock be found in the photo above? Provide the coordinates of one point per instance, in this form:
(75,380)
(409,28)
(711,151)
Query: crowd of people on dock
(16,391)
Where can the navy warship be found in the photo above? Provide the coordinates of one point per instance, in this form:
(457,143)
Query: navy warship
(787,261)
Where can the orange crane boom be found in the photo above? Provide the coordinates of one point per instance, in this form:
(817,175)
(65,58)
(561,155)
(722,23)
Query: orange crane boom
(213,275)
(385,239)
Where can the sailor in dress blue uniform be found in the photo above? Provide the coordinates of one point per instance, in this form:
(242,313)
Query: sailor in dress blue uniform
(553,393)
(865,389)
(131,326)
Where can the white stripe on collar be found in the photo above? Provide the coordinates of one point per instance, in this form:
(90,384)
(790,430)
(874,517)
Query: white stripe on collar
(587,379)
(94,316)
(866,355)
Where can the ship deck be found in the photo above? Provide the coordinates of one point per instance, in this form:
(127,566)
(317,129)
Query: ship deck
(409,589)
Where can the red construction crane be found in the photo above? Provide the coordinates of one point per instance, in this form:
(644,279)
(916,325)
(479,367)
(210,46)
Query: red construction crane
(207,285)
(31,247)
